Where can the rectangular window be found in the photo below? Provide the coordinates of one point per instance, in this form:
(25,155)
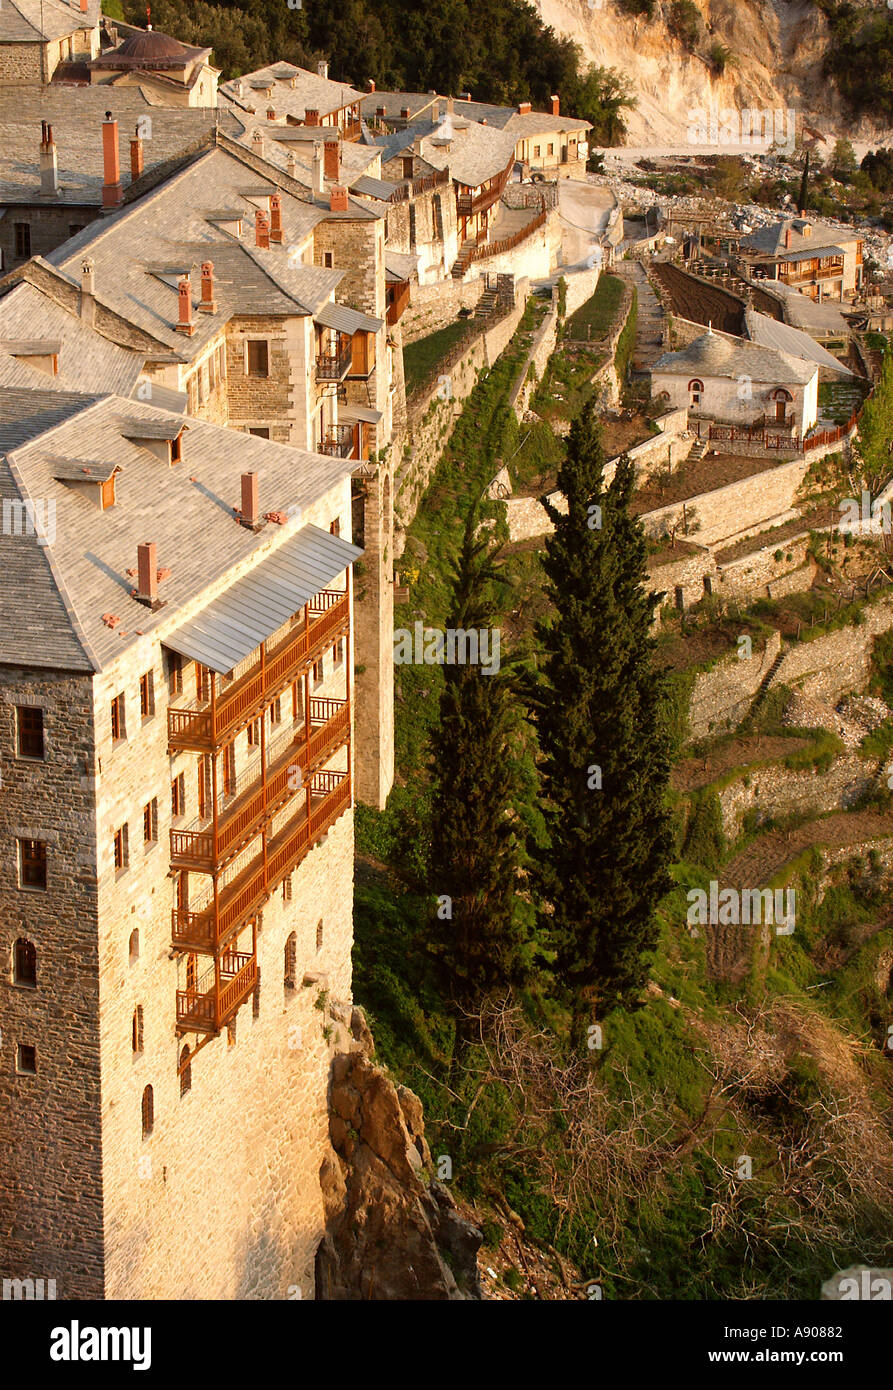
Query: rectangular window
(119,730)
(26,1059)
(221,362)
(258,357)
(229,769)
(150,821)
(177,449)
(536,151)
(33,863)
(147,695)
(328,259)
(338,652)
(276,711)
(29,728)
(200,386)
(260,432)
(335,526)
(122,849)
(202,682)
(175,673)
(254,734)
(551,149)
(317,673)
(178,795)
(23,240)
(286,889)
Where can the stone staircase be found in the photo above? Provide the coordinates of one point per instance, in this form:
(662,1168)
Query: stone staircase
(697,451)
(486,305)
(650,317)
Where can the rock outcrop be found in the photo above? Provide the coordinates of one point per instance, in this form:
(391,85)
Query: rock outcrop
(392,1231)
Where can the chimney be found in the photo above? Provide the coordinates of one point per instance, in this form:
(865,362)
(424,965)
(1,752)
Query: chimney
(88,287)
(257,143)
(49,172)
(370,83)
(787,238)
(147,574)
(184,301)
(208,303)
(250,504)
(322,69)
(83,6)
(338,198)
(111,168)
(332,160)
(449,106)
(381,112)
(311,116)
(136,158)
(261,230)
(465,96)
(404,113)
(238,86)
(271,114)
(291,167)
(276,217)
(317,170)
(556,105)
(524,108)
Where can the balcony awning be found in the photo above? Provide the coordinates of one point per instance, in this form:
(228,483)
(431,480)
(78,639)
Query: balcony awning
(810,253)
(350,413)
(232,626)
(345,320)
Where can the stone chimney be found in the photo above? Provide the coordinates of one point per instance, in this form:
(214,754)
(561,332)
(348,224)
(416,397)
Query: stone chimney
(338,198)
(404,113)
(311,116)
(261,230)
(450,105)
(136,157)
(556,105)
(787,238)
(332,150)
(291,166)
(250,509)
(237,85)
(257,143)
(322,69)
(111,168)
(318,180)
(49,171)
(271,113)
(184,302)
(208,303)
(465,96)
(276,217)
(524,108)
(370,84)
(88,291)
(147,574)
(381,112)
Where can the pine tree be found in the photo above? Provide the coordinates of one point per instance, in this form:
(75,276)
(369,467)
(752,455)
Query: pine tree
(476,935)
(604,748)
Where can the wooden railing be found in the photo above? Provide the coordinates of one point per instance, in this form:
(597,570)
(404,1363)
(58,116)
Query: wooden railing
(329,795)
(204,726)
(206,850)
(338,443)
(332,366)
(213,1001)
(507,243)
(414,187)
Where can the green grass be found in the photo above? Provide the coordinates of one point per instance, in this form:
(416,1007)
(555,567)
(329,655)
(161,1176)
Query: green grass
(599,313)
(421,357)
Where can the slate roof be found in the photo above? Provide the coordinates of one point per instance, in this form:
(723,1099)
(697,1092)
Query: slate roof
(770,241)
(768,332)
(86,360)
(54,595)
(29,21)
(474,154)
(721,355)
(310,91)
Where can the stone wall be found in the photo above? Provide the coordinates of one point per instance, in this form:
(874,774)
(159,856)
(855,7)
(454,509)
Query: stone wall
(840,662)
(581,285)
(50,226)
(541,350)
(722,696)
(21,62)
(770,792)
(374,618)
(435,306)
(737,507)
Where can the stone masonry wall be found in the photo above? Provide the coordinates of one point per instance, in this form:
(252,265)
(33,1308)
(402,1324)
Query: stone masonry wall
(737,507)
(840,662)
(722,696)
(776,791)
(435,306)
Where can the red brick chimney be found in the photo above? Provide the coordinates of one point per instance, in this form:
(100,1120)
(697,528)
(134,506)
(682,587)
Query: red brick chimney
(276,217)
(524,108)
(111,167)
(208,303)
(332,151)
(404,113)
(136,157)
(262,230)
(147,573)
(381,112)
(787,238)
(83,6)
(556,105)
(370,83)
(311,116)
(338,198)
(49,169)
(250,503)
(184,321)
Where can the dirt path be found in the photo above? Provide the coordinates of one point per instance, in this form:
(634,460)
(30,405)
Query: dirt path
(692,773)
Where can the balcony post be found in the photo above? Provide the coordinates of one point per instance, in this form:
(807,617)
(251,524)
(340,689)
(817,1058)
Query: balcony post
(214,757)
(217,1021)
(215,932)
(213,708)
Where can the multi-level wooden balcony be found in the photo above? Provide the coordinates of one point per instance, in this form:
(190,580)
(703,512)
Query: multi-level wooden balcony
(205,725)
(334,366)
(215,998)
(262,789)
(319,802)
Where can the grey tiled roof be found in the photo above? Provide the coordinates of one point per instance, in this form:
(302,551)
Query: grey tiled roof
(54,596)
(721,355)
(310,92)
(768,332)
(770,241)
(475,153)
(26,21)
(87,361)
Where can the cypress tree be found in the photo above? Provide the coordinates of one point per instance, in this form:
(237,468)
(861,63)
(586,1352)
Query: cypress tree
(603,741)
(474,859)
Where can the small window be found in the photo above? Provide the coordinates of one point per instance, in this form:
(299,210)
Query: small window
(175,673)
(338,652)
(202,682)
(260,432)
(335,526)
(147,695)
(328,259)
(33,863)
(319,935)
(258,357)
(75,227)
(122,850)
(551,149)
(536,151)
(148,1111)
(137,1029)
(22,240)
(133,949)
(696,390)
(150,821)
(254,733)
(255,1002)
(26,1059)
(276,711)
(177,449)
(29,726)
(119,728)
(286,889)
(231,1033)
(221,362)
(317,673)
(291,961)
(185,1069)
(178,795)
(24,963)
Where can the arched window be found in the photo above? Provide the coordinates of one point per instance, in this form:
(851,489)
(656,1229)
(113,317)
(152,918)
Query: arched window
(291,961)
(137,1028)
(185,1072)
(148,1111)
(24,963)
(695,391)
(134,945)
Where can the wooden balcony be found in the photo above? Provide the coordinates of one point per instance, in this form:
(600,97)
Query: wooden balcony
(334,366)
(214,1000)
(207,847)
(338,443)
(205,725)
(326,797)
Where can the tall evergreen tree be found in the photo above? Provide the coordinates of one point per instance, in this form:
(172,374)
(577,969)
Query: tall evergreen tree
(604,747)
(474,859)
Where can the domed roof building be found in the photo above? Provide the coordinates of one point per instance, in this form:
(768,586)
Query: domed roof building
(174,72)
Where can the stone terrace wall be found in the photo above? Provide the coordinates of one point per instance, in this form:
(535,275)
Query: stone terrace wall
(435,306)
(776,791)
(750,502)
(722,696)
(541,350)
(834,665)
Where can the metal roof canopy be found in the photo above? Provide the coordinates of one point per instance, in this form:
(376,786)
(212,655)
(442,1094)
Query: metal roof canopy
(350,412)
(345,320)
(233,625)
